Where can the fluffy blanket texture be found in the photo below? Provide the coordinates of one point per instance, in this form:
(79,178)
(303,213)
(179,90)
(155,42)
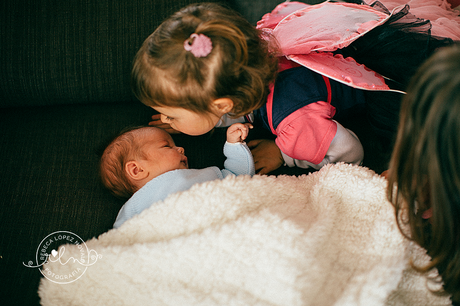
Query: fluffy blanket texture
(328,238)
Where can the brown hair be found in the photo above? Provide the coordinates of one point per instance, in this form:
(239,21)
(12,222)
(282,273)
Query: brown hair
(425,164)
(239,66)
(125,147)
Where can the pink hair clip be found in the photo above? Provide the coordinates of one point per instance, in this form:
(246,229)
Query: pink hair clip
(199,44)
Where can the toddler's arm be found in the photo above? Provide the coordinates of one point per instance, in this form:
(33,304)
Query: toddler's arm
(345,147)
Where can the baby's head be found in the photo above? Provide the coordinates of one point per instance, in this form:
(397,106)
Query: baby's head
(237,70)
(136,157)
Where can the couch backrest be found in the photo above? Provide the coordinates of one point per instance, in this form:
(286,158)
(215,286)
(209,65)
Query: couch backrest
(73,51)
(81,51)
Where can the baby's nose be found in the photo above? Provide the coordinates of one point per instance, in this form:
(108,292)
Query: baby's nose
(180,150)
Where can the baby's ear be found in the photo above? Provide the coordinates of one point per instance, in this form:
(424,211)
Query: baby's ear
(223,105)
(135,170)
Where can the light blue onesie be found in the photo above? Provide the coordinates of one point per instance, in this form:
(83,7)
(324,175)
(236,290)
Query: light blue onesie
(239,162)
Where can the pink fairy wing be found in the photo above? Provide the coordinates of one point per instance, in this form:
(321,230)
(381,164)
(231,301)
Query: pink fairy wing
(270,20)
(343,70)
(325,27)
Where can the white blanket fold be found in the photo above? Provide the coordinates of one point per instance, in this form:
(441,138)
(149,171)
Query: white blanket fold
(328,238)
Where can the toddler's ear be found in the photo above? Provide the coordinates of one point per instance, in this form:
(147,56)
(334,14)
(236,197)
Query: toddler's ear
(223,105)
(135,170)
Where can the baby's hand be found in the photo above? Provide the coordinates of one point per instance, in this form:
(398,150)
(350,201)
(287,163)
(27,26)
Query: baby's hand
(238,132)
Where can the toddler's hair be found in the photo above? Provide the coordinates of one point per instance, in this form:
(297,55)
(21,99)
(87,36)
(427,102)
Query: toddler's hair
(125,147)
(239,67)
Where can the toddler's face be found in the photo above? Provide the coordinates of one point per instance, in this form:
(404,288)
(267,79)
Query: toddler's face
(162,155)
(186,121)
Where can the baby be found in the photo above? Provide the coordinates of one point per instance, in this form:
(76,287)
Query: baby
(146,165)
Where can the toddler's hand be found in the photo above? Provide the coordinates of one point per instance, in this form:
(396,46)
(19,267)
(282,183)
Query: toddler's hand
(267,155)
(156,122)
(238,132)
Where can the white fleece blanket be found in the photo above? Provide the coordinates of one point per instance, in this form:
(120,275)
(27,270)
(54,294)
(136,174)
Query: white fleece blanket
(328,238)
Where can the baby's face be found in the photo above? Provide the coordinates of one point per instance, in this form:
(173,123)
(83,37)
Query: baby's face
(162,155)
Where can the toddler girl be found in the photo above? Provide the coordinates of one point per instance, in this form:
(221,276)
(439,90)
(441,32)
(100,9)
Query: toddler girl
(206,66)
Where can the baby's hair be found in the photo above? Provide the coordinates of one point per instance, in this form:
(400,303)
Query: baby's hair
(425,165)
(239,66)
(125,147)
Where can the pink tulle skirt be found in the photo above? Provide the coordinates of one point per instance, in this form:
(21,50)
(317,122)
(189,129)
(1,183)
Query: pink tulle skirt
(444,20)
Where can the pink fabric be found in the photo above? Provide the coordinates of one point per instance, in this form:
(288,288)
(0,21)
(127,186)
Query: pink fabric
(284,63)
(325,27)
(270,20)
(269,107)
(445,20)
(307,133)
(346,71)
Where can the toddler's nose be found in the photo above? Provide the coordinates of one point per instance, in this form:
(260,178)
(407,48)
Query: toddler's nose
(164,118)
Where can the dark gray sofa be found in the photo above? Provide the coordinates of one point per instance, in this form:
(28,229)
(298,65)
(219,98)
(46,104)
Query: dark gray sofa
(64,93)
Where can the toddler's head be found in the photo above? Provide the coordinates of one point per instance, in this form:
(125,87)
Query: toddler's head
(238,67)
(137,156)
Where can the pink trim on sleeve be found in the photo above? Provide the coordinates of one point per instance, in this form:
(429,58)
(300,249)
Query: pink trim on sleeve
(329,91)
(269,106)
(307,133)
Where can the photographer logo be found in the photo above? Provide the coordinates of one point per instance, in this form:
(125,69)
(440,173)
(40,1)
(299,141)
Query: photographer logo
(63,257)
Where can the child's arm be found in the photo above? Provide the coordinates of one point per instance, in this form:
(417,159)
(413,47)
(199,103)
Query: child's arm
(344,147)
(239,158)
